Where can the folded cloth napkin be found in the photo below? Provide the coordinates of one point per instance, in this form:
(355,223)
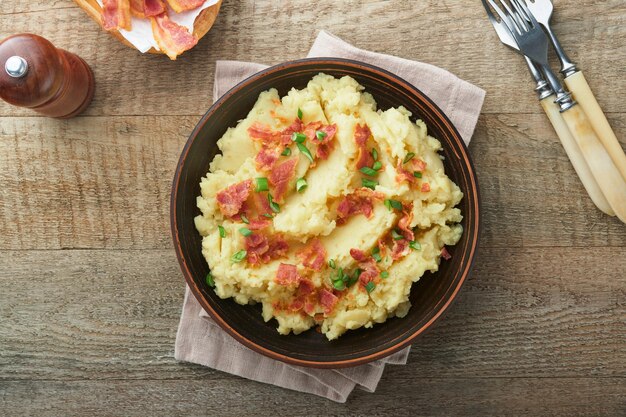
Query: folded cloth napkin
(200,340)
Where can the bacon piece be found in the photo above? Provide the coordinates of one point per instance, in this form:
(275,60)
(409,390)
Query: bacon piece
(258,224)
(399,249)
(287,274)
(310,129)
(260,203)
(327,299)
(425,187)
(359,202)
(404,224)
(297,304)
(285,135)
(261,132)
(172,38)
(370,271)
(280,177)
(418,165)
(147,8)
(267,157)
(306,287)
(278,247)
(182,5)
(404,175)
(314,255)
(358,255)
(116,14)
(231,199)
(257,247)
(445,254)
(361,135)
(309,307)
(325,146)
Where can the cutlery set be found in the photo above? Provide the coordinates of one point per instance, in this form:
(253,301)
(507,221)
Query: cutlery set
(582,127)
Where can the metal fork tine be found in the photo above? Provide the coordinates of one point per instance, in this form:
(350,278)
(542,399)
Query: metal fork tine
(515,17)
(504,17)
(527,11)
(520,12)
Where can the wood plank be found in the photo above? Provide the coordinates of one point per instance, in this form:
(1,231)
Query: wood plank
(113,314)
(452,35)
(399,394)
(104,182)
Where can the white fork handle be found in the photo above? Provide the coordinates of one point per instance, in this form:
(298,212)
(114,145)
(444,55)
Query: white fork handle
(575,155)
(602,167)
(577,84)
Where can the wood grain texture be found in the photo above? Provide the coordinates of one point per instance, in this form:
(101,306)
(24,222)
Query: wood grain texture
(537,330)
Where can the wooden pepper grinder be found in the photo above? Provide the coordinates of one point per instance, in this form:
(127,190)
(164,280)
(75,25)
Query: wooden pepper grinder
(39,76)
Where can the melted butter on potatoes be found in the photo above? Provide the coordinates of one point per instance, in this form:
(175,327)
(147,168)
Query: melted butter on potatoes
(325,210)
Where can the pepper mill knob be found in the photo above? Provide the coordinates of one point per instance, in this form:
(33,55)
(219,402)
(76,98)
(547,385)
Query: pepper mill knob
(39,76)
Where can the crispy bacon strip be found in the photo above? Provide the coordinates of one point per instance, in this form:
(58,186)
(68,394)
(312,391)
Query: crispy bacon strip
(370,271)
(267,157)
(445,254)
(280,176)
(425,187)
(327,300)
(182,5)
(287,274)
(361,135)
(358,255)
(399,249)
(262,249)
(314,255)
(359,202)
(147,8)
(172,38)
(404,174)
(116,14)
(325,146)
(231,199)
(404,224)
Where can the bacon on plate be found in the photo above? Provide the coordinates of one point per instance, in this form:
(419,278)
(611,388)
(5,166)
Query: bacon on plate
(361,201)
(147,8)
(327,300)
(404,224)
(287,274)
(361,135)
(182,5)
(313,255)
(172,38)
(116,14)
(280,176)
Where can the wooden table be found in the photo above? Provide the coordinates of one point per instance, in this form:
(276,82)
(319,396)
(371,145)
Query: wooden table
(91,290)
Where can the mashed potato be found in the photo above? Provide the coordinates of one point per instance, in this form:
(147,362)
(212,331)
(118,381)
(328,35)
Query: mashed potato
(325,210)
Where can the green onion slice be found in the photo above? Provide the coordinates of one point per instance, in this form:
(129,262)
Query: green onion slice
(320,135)
(388,204)
(298,137)
(370,286)
(222,231)
(269,216)
(354,278)
(239,256)
(376,254)
(408,157)
(377,166)
(245,231)
(384,274)
(371,184)
(375,154)
(273,205)
(301,185)
(332,264)
(393,203)
(415,245)
(244,218)
(286,152)
(305,151)
(210,281)
(417,174)
(368,171)
(299,113)
(339,285)
(262,184)
(396,235)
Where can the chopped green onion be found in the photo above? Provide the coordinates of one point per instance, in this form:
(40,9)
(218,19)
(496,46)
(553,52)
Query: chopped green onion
(320,135)
(273,205)
(332,264)
(377,166)
(299,113)
(301,185)
(239,256)
(209,280)
(339,285)
(354,278)
(417,174)
(375,154)
(245,231)
(408,157)
(286,152)
(304,150)
(368,171)
(396,235)
(262,184)
(370,286)
(393,203)
(222,231)
(371,184)
(269,216)
(376,254)
(244,218)
(384,274)
(415,245)
(298,137)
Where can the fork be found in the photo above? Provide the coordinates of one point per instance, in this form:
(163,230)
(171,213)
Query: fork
(533,43)
(577,84)
(546,99)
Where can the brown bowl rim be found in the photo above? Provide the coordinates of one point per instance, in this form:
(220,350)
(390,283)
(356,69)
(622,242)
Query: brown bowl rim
(467,266)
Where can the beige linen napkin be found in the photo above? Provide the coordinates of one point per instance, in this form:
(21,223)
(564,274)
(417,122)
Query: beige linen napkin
(200,340)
